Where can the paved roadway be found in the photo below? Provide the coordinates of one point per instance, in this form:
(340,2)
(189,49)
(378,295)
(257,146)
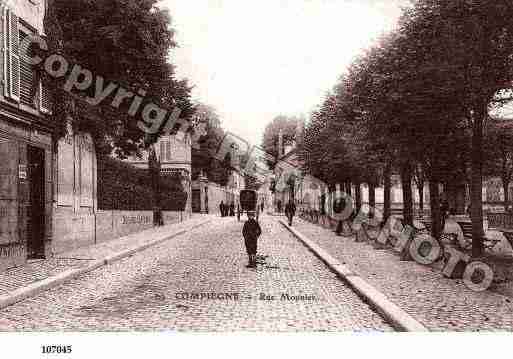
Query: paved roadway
(149,290)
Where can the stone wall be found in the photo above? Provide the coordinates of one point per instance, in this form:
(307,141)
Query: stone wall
(175,217)
(12,255)
(72,229)
(115,224)
(75,230)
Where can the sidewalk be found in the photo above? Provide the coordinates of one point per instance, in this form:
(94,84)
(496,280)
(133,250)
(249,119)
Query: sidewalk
(439,303)
(35,271)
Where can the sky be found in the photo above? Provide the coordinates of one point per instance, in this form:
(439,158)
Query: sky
(253,60)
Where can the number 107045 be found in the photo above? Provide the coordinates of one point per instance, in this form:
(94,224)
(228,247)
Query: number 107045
(56,349)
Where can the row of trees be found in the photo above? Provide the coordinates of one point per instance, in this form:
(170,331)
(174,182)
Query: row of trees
(419,103)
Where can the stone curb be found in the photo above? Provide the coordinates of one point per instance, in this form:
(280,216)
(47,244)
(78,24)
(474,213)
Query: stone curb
(396,316)
(54,281)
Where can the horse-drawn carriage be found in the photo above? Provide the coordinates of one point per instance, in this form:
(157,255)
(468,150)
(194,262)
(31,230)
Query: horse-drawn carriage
(248,203)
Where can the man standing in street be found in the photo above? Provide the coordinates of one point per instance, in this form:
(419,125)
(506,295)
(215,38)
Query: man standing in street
(444,208)
(290,211)
(251,231)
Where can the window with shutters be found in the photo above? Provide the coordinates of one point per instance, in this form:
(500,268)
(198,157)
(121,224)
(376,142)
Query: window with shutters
(29,84)
(21,82)
(12,51)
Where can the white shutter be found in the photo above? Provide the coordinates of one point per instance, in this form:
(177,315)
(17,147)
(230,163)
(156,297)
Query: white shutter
(2,39)
(5,51)
(14,56)
(45,99)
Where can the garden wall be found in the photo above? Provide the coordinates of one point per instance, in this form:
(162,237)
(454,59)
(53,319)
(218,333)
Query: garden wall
(83,229)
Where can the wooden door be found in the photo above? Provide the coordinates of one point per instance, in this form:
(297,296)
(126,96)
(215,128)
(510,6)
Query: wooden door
(36,209)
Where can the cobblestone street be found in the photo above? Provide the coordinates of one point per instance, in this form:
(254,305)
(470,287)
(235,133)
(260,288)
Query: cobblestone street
(149,290)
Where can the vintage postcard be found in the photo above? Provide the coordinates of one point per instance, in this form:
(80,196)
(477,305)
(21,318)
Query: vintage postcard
(275,166)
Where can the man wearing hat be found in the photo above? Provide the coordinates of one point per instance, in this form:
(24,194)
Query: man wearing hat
(251,231)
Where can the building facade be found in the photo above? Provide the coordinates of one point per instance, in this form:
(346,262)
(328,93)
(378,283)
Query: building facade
(26,153)
(291,184)
(174,154)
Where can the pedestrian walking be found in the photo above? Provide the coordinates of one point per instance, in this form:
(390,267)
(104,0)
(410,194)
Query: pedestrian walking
(279,206)
(238,212)
(290,211)
(262,207)
(222,208)
(251,231)
(232,210)
(444,208)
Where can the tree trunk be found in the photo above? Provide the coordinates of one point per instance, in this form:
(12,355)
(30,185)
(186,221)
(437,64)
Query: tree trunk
(406,177)
(421,198)
(505,186)
(348,188)
(387,187)
(323,203)
(358,197)
(372,198)
(477,182)
(434,199)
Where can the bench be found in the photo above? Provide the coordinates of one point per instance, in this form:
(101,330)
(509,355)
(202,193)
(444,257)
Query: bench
(466,228)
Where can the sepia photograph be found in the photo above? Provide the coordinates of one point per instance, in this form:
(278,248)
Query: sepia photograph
(229,167)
